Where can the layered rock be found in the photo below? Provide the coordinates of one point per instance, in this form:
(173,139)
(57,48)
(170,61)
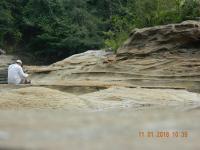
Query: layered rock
(175,67)
(167,40)
(142,88)
(108,99)
(157,57)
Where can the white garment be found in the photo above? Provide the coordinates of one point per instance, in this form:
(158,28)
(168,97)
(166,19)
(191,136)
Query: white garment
(16,74)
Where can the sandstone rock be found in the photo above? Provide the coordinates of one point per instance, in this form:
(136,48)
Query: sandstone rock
(112,98)
(142,89)
(39,98)
(139,98)
(162,39)
(157,57)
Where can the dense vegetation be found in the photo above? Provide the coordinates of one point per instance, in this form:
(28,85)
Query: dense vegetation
(54,29)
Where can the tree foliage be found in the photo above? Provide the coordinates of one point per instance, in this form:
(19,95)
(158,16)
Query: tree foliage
(146,13)
(54,29)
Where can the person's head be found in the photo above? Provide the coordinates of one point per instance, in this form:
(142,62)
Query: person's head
(19,62)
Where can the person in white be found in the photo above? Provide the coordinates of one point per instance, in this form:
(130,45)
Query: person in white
(16,74)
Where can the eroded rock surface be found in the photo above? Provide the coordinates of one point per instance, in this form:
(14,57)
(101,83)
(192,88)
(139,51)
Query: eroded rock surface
(109,99)
(99,100)
(39,98)
(163,40)
(168,58)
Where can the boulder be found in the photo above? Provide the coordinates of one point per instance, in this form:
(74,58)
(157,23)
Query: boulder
(159,40)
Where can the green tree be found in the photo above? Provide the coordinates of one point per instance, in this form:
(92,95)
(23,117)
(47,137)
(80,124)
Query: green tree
(55,29)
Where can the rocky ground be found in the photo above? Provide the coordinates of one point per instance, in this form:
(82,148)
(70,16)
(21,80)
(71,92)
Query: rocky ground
(101,100)
(5,60)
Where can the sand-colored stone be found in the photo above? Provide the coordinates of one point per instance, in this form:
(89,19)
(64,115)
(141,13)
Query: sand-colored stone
(109,99)
(172,38)
(39,98)
(98,100)
(176,66)
(120,97)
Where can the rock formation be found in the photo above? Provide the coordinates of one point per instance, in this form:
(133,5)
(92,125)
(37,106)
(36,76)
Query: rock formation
(167,63)
(103,100)
(113,98)
(162,57)
(163,41)
(157,57)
